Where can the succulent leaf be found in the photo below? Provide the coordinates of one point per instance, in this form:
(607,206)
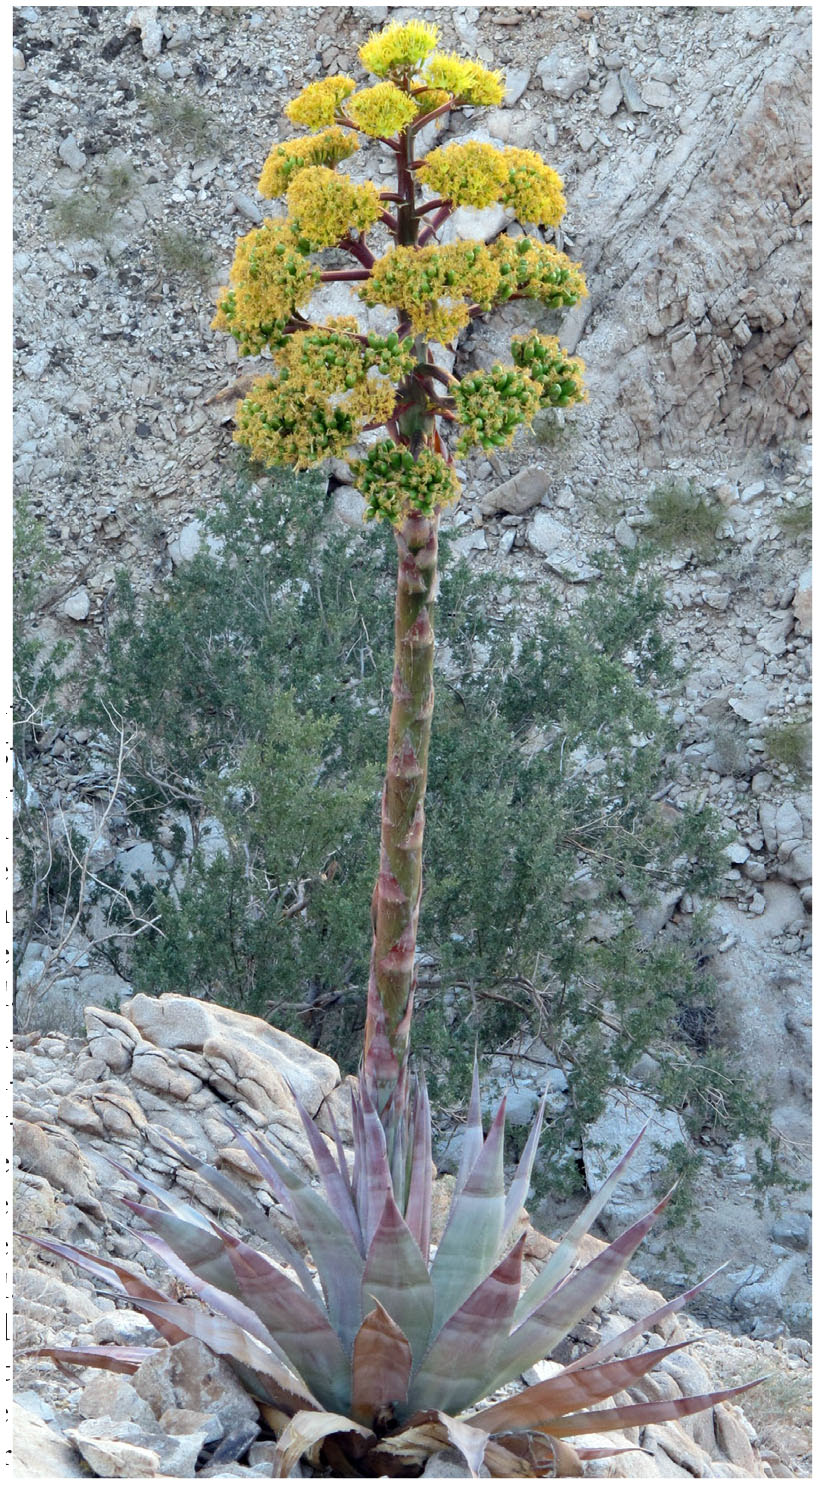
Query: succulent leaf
(640,1327)
(519,1185)
(396,1276)
(639,1415)
(382,1362)
(471,1239)
(419,1198)
(305,1431)
(339,1194)
(124,1359)
(473,1133)
(115,1274)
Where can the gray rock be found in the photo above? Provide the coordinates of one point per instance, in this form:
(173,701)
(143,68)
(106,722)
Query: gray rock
(517,81)
(475,223)
(113,1458)
(39,1451)
(631,93)
(519,494)
(554,541)
(144,18)
(624,536)
(611,97)
(803,602)
(77,605)
(473,541)
(658,94)
(123,1328)
(349,506)
(18,61)
(111,1395)
(245,206)
(607,1140)
(70,153)
(560,77)
(189,1376)
(792,1230)
(752,701)
(141,860)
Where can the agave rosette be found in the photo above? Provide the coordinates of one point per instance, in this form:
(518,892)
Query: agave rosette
(379,1353)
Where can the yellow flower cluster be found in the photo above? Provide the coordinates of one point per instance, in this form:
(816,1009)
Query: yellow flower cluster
(467,81)
(394,484)
(536,270)
(477,174)
(558,375)
(287,159)
(270,277)
(382,110)
(434,285)
(398,48)
(283,421)
(492,404)
(333,358)
(316,105)
(471,174)
(533,189)
(325,205)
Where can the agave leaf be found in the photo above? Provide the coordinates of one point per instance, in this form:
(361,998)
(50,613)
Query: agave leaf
(170,1201)
(419,1198)
(248,1209)
(272,1381)
(304,1431)
(301,1329)
(372,1167)
(648,1322)
(637,1415)
(540,1332)
(526,1410)
(341,1158)
(339,1263)
(470,1442)
(519,1186)
(112,1273)
(108,1358)
(535,1455)
(425,1434)
(453,1373)
(382,1361)
(201,1250)
(558,1266)
(473,1133)
(338,1191)
(471,1241)
(396,1277)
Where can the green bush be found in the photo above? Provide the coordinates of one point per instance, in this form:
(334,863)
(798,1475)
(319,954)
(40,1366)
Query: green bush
(681,517)
(260,686)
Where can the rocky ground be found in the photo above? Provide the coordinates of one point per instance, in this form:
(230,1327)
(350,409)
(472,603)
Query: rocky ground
(682,136)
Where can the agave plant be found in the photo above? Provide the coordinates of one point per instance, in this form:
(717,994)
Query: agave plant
(378,1354)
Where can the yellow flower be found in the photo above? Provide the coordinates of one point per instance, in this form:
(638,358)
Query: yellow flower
(286,421)
(398,48)
(270,277)
(315,106)
(431,98)
(382,110)
(471,174)
(434,285)
(393,483)
(491,405)
(467,81)
(325,205)
(288,158)
(533,189)
(536,270)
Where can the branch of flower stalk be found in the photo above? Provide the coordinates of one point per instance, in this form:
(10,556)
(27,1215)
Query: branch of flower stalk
(344,275)
(435,205)
(427,118)
(437,221)
(428,368)
(388,219)
(358,248)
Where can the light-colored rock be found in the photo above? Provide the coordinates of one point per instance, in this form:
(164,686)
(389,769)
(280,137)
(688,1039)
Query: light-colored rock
(77,605)
(70,153)
(141,861)
(561,77)
(41,1452)
(111,1395)
(144,18)
(55,1155)
(188,1375)
(803,602)
(349,506)
(517,81)
(555,542)
(518,494)
(475,223)
(611,96)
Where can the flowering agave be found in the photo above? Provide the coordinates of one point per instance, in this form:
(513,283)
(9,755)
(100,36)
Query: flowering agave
(383,1361)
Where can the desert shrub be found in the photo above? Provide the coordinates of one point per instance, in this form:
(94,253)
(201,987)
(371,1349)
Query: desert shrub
(260,685)
(680,517)
(789,745)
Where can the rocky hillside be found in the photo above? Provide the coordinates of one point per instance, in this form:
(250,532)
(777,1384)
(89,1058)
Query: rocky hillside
(682,135)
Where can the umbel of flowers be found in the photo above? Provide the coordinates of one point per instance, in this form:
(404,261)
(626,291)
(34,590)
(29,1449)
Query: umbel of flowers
(331,382)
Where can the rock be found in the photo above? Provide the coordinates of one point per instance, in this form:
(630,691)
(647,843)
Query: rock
(554,541)
(792,1230)
(608,1138)
(123,1328)
(246,207)
(803,603)
(185,546)
(18,61)
(70,153)
(517,81)
(449,1464)
(39,1451)
(631,93)
(55,1155)
(144,18)
(264,1060)
(752,701)
(473,541)
(561,78)
(658,94)
(518,494)
(611,96)
(474,223)
(110,1395)
(624,536)
(349,506)
(188,1375)
(77,605)
(111,1457)
(141,861)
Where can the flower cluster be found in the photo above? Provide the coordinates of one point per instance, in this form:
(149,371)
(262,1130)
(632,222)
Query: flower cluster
(492,404)
(316,105)
(394,484)
(287,159)
(467,81)
(382,110)
(434,285)
(471,174)
(271,276)
(533,189)
(325,205)
(283,422)
(558,375)
(398,48)
(536,270)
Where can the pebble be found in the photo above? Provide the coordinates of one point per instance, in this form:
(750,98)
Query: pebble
(18,61)
(517,81)
(631,93)
(245,206)
(77,605)
(70,153)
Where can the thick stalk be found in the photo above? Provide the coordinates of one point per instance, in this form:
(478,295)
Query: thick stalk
(397,895)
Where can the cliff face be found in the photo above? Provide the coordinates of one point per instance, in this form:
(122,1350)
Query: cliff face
(178,1064)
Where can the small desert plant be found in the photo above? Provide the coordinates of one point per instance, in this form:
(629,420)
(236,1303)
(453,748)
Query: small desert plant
(796,520)
(186,255)
(181,122)
(789,745)
(680,517)
(87,213)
